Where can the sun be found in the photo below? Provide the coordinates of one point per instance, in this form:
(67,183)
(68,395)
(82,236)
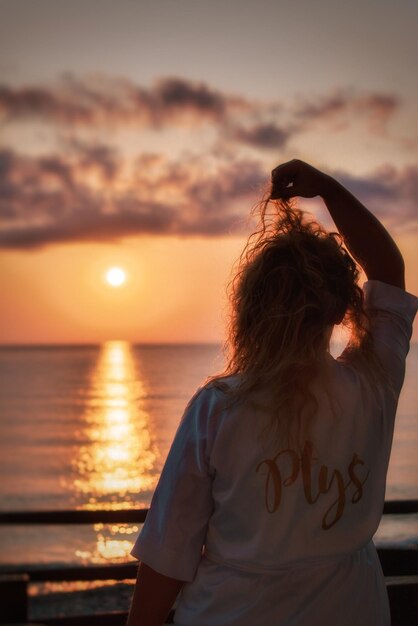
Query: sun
(115,276)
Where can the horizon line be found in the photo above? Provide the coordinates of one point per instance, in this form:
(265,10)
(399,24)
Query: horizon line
(96,344)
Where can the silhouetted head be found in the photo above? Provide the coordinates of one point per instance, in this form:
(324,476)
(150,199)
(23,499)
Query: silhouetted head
(295,281)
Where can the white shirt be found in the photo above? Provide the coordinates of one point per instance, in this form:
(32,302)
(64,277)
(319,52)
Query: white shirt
(286,536)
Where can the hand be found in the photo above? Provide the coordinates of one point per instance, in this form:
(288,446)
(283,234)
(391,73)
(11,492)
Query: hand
(296,178)
(365,237)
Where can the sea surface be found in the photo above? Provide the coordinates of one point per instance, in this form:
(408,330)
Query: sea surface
(90,427)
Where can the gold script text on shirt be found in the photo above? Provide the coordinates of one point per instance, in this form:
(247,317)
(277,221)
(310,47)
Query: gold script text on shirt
(327,480)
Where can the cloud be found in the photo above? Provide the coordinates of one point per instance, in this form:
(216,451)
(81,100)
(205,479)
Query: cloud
(266,136)
(174,94)
(107,101)
(87,190)
(92,195)
(46,200)
(390,192)
(379,108)
(322,108)
(100,101)
(96,156)
(342,107)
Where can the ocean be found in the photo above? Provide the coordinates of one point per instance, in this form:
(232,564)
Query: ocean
(86,427)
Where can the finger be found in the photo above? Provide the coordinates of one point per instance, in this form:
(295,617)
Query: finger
(283,186)
(288,169)
(281,196)
(283,183)
(284,193)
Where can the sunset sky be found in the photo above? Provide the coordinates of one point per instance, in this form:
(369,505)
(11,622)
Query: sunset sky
(139,134)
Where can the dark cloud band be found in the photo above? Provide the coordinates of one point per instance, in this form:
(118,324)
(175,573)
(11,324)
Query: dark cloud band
(46,200)
(102,101)
(89,192)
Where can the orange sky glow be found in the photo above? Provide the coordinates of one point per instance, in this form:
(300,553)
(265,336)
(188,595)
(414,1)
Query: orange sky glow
(150,159)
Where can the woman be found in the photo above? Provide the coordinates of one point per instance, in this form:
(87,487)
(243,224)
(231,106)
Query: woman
(275,482)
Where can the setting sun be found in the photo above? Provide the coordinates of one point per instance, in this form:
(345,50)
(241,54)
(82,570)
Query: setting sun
(115,276)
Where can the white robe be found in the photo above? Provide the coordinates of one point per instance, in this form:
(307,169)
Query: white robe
(266,535)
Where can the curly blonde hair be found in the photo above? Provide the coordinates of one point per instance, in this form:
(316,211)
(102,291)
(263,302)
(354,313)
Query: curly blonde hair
(295,280)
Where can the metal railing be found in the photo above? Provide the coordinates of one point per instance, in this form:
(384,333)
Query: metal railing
(400,567)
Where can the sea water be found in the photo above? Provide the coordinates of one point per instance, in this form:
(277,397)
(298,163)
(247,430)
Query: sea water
(87,427)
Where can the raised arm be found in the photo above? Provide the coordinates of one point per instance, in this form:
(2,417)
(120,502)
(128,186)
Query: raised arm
(365,237)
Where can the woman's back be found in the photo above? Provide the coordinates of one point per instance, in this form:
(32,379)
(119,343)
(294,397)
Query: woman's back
(298,521)
(275,482)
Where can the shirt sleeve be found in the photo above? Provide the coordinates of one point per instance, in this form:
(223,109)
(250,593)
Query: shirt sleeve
(174,531)
(392,311)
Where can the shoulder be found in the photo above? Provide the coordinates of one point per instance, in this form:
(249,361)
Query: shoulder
(222,384)
(379,296)
(210,404)
(391,311)
(210,397)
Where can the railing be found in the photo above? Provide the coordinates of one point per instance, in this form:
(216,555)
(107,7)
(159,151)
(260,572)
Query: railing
(400,568)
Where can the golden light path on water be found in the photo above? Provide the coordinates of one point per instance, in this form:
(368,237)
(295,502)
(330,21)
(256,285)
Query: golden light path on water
(114,464)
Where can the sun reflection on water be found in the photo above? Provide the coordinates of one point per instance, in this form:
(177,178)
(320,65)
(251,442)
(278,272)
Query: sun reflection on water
(115,463)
